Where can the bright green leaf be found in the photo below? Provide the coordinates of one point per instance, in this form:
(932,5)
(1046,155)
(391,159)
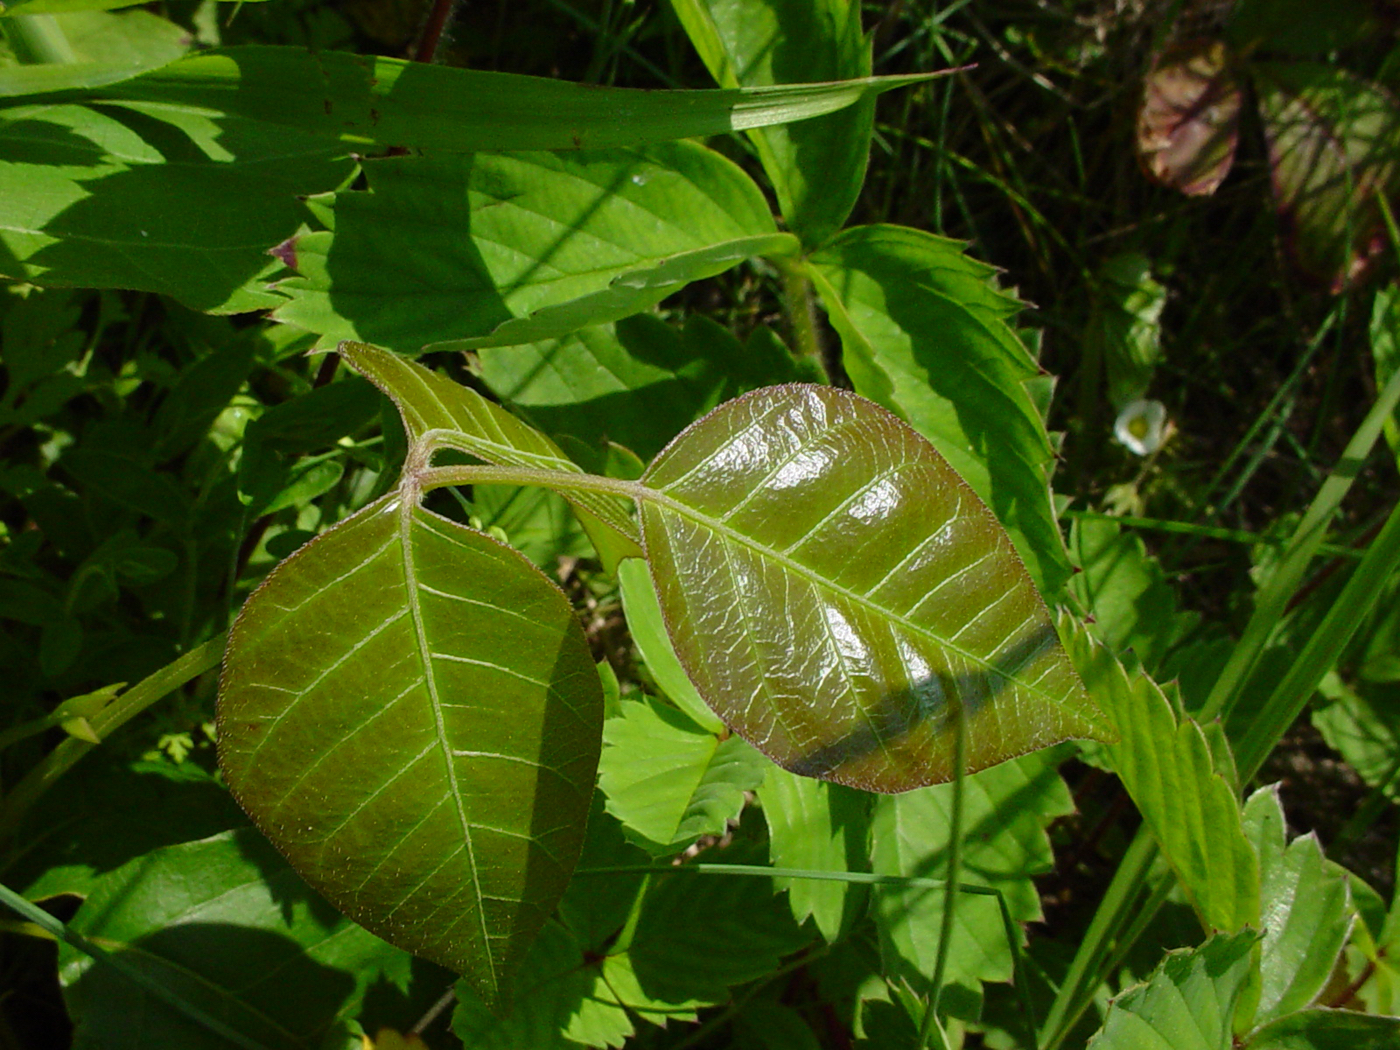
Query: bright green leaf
(925,333)
(410,711)
(1166,765)
(817,166)
(816,826)
(1187,1004)
(488,249)
(836,592)
(1322,1029)
(1007,809)
(106,48)
(1305,910)
(668,780)
(226,925)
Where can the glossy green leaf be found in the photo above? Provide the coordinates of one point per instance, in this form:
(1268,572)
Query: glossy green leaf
(925,333)
(1007,809)
(1165,762)
(816,166)
(1334,146)
(410,712)
(1323,1029)
(365,101)
(1305,910)
(488,249)
(224,923)
(653,644)
(816,826)
(119,197)
(638,382)
(836,592)
(430,402)
(1187,1004)
(106,48)
(670,781)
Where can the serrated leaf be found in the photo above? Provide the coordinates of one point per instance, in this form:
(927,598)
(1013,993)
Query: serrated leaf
(925,333)
(1322,1029)
(1006,811)
(491,249)
(668,780)
(225,924)
(1334,146)
(1187,1004)
(410,712)
(1165,762)
(816,166)
(365,100)
(816,826)
(430,402)
(835,592)
(1305,910)
(1189,122)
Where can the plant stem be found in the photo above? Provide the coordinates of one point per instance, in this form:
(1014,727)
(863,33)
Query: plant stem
(121,710)
(801,310)
(37,40)
(433,30)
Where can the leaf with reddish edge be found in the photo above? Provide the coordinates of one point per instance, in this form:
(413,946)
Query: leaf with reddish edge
(1189,123)
(1334,146)
(837,593)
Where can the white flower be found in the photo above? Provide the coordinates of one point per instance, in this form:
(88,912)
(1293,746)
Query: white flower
(1142,426)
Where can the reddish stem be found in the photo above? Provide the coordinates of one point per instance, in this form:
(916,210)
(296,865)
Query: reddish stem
(438,18)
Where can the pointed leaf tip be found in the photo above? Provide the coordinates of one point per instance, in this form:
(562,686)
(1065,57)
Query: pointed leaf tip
(835,591)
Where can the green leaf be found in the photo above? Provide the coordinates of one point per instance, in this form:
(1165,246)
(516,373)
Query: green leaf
(128,482)
(1385,350)
(636,382)
(1334,145)
(668,780)
(648,630)
(816,826)
(34,7)
(796,537)
(817,166)
(226,925)
(120,197)
(106,48)
(1306,910)
(1007,809)
(409,710)
(1125,329)
(366,101)
(1187,1004)
(1322,1029)
(1165,762)
(1362,724)
(493,249)
(429,402)
(925,333)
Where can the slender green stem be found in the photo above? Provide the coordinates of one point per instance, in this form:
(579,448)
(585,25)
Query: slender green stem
(147,983)
(950,899)
(863,878)
(121,710)
(1272,600)
(1323,646)
(801,311)
(558,480)
(1207,531)
(37,40)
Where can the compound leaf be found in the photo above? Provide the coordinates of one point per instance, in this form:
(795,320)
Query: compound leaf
(410,712)
(836,592)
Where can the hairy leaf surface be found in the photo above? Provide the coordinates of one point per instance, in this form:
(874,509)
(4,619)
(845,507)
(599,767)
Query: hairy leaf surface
(410,712)
(836,593)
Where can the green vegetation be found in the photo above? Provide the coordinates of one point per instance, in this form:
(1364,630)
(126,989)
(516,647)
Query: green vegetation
(670,589)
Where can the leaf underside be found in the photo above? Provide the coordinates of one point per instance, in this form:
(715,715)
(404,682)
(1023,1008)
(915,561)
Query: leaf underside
(410,712)
(835,591)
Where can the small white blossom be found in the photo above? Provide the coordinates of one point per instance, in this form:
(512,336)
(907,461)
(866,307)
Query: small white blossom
(1142,426)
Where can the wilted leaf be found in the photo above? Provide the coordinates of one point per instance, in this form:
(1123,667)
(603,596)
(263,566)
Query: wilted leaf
(1334,145)
(837,593)
(410,712)
(1189,122)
